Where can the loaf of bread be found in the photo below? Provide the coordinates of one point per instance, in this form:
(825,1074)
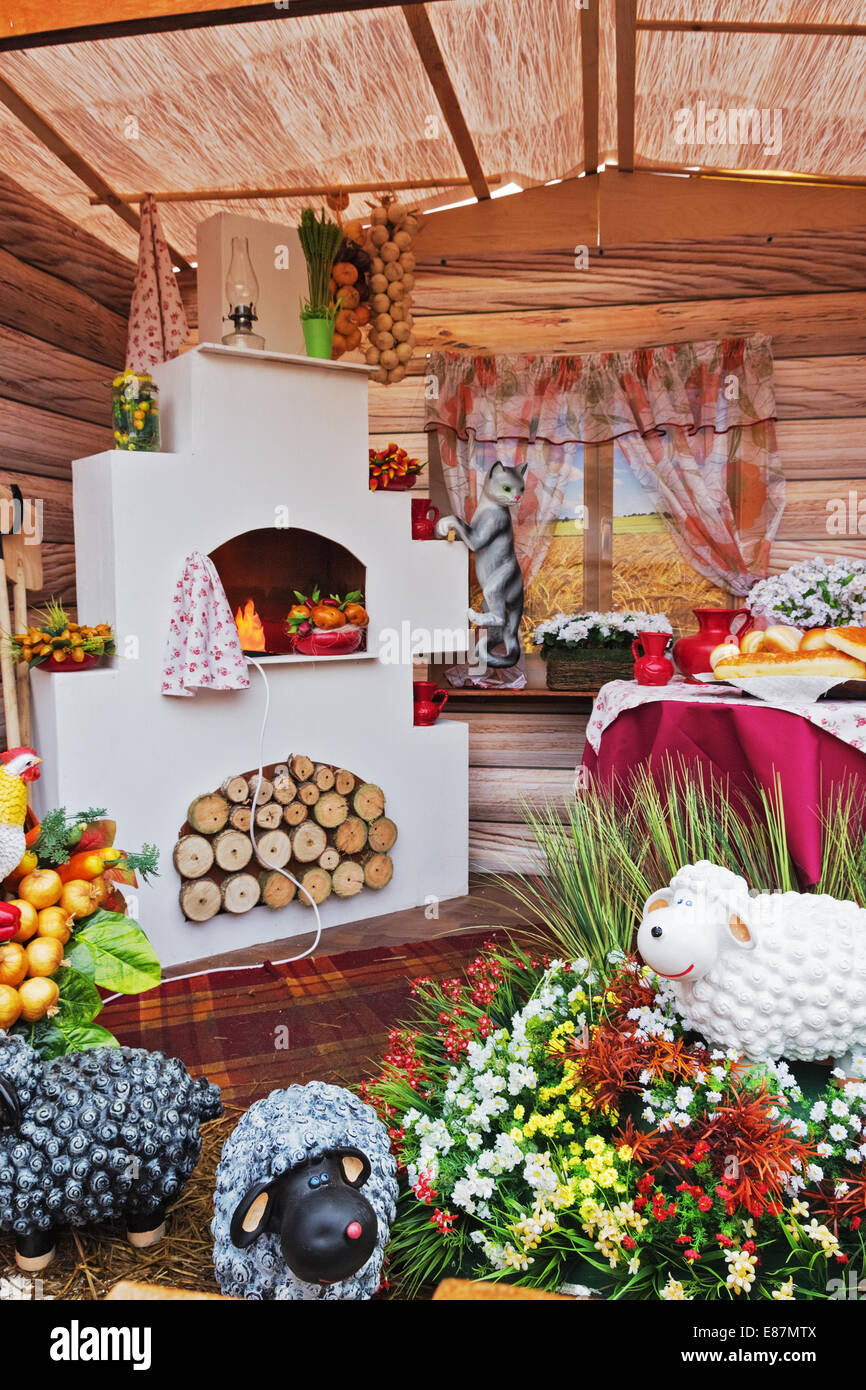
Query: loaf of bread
(746,666)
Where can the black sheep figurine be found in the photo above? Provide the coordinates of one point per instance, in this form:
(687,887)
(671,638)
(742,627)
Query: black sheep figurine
(94,1137)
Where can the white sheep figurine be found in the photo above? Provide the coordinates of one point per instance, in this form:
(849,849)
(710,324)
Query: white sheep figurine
(306,1193)
(770,974)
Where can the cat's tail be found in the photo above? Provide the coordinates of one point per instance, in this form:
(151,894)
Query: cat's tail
(510,657)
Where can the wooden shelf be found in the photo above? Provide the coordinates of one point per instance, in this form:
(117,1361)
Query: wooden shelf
(290,358)
(299,657)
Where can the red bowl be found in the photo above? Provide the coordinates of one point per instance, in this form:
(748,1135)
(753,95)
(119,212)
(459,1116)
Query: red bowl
(333,642)
(91,659)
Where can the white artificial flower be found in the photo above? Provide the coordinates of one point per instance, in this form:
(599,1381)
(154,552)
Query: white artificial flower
(685,1096)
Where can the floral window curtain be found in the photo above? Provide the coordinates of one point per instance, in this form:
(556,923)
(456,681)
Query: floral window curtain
(696,422)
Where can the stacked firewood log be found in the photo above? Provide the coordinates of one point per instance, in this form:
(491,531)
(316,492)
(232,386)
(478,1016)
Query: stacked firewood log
(322,824)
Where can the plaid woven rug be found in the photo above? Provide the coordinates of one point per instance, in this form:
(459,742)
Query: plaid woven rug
(251,1030)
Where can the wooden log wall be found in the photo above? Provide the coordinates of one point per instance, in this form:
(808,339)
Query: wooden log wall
(64,301)
(807,291)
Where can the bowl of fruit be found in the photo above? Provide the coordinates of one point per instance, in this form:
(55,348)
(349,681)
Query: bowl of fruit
(332,626)
(61,645)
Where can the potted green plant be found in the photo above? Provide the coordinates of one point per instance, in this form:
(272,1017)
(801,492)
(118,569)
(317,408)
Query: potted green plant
(583,650)
(320,240)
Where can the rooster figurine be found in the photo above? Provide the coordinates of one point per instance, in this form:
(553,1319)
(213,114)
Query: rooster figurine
(17,766)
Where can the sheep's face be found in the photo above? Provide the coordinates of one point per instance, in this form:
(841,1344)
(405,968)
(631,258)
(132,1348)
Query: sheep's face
(327,1228)
(682,933)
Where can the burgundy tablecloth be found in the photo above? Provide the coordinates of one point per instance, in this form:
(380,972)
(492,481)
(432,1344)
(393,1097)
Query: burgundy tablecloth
(750,745)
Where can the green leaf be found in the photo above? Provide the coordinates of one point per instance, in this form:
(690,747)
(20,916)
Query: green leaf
(80,957)
(80,1037)
(79,998)
(44,1037)
(124,959)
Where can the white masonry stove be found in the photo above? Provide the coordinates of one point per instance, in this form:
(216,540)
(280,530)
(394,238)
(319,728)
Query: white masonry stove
(265,470)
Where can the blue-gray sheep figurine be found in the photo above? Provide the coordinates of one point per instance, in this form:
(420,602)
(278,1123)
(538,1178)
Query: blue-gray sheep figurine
(305,1197)
(106,1135)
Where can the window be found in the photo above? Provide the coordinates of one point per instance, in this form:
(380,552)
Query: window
(610,549)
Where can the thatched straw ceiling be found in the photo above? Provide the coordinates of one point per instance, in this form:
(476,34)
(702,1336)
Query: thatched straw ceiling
(344,98)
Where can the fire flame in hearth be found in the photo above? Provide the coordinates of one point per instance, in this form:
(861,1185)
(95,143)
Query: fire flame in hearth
(250,629)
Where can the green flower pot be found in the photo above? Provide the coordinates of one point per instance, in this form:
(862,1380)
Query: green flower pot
(318,337)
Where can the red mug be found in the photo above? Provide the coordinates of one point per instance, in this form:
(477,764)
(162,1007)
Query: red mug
(651,666)
(429,701)
(424,518)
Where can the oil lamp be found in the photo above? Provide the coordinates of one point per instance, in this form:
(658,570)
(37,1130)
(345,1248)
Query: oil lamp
(242,291)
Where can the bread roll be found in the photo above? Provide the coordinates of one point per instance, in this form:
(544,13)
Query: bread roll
(752,641)
(725,651)
(816,641)
(781,639)
(848,639)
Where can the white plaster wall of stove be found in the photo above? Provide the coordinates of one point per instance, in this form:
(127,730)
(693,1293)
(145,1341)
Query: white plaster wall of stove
(250,434)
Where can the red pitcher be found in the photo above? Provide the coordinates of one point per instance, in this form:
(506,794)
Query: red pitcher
(428,705)
(692,653)
(424,518)
(651,666)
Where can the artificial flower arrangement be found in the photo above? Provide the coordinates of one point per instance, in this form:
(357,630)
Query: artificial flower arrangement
(566,632)
(556,1126)
(813,593)
(392,468)
(583,649)
(74,936)
(61,642)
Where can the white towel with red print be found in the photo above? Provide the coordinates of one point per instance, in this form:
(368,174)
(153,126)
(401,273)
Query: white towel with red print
(157,321)
(203,649)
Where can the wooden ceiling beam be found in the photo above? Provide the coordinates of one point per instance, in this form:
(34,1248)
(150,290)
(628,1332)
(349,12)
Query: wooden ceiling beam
(245,195)
(62,150)
(430,53)
(44,23)
(781,26)
(589,84)
(626,19)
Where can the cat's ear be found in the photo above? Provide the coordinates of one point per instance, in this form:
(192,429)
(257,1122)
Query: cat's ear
(523,470)
(498,466)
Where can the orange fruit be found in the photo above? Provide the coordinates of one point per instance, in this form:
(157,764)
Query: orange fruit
(10,1006)
(29,920)
(326,617)
(54,922)
(13,964)
(41,888)
(44,955)
(37,998)
(79,897)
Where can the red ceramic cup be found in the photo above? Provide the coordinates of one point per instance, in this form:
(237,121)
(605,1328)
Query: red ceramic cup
(424,518)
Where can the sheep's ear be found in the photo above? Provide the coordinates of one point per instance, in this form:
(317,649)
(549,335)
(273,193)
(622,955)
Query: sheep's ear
(656,900)
(355,1166)
(740,932)
(252,1213)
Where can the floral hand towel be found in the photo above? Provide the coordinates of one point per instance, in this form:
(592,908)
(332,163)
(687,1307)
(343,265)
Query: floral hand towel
(203,648)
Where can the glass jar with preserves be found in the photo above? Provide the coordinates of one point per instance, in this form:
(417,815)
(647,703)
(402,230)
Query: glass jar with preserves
(135,411)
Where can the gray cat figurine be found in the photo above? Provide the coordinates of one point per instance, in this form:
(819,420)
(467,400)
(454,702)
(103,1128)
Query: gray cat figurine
(490,536)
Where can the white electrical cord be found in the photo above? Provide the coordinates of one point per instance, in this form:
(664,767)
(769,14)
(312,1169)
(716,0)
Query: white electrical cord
(290,960)
(264,863)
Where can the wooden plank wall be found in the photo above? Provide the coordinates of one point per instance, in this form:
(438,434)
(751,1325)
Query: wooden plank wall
(64,300)
(806,291)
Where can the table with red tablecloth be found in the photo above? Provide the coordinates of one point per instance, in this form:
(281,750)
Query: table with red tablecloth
(742,739)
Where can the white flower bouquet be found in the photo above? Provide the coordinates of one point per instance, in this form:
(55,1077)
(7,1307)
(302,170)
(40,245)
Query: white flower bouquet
(813,593)
(587,649)
(566,632)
